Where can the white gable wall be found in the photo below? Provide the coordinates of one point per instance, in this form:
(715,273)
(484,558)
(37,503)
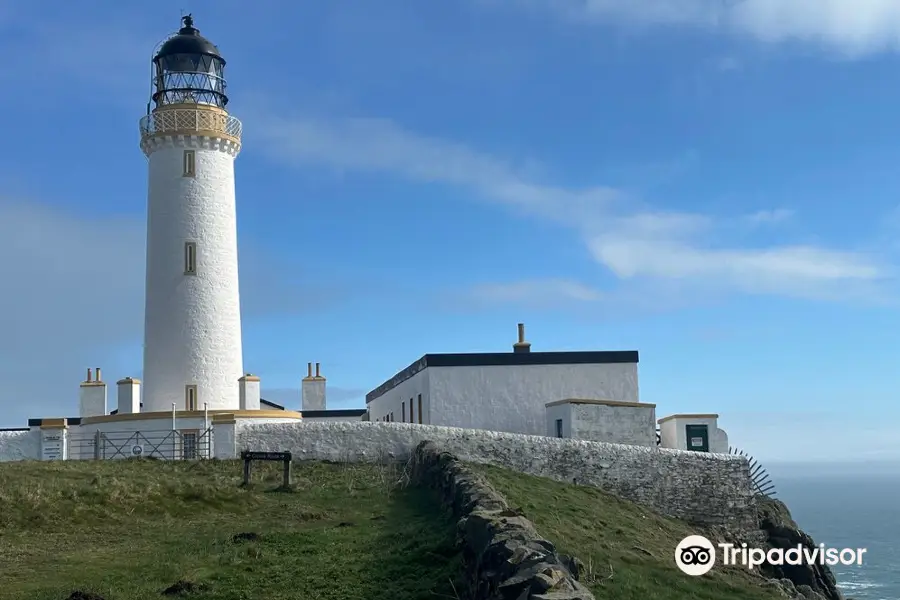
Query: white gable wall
(513,398)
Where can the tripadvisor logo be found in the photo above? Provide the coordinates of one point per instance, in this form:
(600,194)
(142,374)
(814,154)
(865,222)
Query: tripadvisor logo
(695,555)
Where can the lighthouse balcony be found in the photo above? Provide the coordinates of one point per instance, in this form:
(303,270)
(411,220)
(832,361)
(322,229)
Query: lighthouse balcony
(191,119)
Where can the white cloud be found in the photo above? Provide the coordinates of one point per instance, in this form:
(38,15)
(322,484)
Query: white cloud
(849,27)
(535,293)
(630,240)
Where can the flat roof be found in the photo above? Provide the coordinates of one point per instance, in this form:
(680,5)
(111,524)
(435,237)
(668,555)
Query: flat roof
(504,359)
(337,412)
(597,401)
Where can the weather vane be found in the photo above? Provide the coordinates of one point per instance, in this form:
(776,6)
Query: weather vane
(188,21)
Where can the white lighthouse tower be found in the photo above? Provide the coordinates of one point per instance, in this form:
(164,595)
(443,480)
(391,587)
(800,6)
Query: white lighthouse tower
(192,327)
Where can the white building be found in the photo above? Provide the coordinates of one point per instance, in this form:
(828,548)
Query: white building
(610,421)
(505,391)
(698,432)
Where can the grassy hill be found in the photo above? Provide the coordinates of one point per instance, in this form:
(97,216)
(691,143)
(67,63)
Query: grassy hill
(628,552)
(129,530)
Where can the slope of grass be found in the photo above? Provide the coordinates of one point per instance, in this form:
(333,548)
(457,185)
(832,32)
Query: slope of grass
(128,530)
(629,552)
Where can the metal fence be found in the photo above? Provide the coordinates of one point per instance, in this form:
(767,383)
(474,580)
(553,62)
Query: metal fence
(168,444)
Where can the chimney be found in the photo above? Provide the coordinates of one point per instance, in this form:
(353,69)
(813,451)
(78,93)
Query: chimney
(92,397)
(309,374)
(521,346)
(249,389)
(129,396)
(313,390)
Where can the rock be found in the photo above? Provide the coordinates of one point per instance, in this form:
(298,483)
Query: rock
(183,588)
(782,532)
(79,595)
(244,537)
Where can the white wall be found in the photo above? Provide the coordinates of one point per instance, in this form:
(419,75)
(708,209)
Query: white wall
(563,412)
(614,424)
(673,434)
(712,489)
(20,445)
(192,327)
(392,400)
(514,398)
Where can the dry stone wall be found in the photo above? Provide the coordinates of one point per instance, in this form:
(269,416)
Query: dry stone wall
(505,557)
(701,488)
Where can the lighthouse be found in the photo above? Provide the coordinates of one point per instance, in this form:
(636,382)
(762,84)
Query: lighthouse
(192,323)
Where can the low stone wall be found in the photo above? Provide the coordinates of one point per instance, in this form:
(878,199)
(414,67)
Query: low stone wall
(701,488)
(504,555)
(20,445)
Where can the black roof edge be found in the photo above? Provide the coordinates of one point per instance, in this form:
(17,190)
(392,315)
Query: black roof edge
(39,422)
(485,359)
(339,412)
(272,404)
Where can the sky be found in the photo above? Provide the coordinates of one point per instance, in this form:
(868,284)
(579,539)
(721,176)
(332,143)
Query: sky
(711,183)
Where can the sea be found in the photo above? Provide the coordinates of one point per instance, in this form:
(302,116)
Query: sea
(850,508)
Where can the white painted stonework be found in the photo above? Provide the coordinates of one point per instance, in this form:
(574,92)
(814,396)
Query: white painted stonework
(505,398)
(92,399)
(380,408)
(248,392)
(312,393)
(600,421)
(699,487)
(672,433)
(192,328)
(129,396)
(561,414)
(20,445)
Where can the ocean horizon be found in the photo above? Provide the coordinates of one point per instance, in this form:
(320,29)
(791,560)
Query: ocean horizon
(849,506)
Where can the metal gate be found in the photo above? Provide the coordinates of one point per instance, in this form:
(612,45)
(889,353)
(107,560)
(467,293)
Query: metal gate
(165,444)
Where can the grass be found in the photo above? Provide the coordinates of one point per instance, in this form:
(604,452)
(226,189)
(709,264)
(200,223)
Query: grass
(628,552)
(127,530)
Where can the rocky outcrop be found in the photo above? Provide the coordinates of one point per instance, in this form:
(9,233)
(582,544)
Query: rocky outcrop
(810,582)
(505,557)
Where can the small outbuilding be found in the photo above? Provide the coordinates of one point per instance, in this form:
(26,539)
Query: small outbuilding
(610,421)
(699,433)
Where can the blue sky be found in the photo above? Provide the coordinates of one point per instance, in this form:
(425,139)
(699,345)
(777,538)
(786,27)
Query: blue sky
(714,184)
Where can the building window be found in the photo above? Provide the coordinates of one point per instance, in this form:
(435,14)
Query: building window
(189,445)
(559,428)
(190,164)
(190,258)
(190,397)
(412,417)
(403,411)
(392,417)
(420,409)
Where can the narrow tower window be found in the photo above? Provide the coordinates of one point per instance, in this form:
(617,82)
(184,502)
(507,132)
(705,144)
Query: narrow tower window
(403,411)
(420,409)
(189,164)
(190,258)
(190,397)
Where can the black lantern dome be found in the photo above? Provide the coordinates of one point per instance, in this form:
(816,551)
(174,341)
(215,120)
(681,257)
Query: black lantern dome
(189,69)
